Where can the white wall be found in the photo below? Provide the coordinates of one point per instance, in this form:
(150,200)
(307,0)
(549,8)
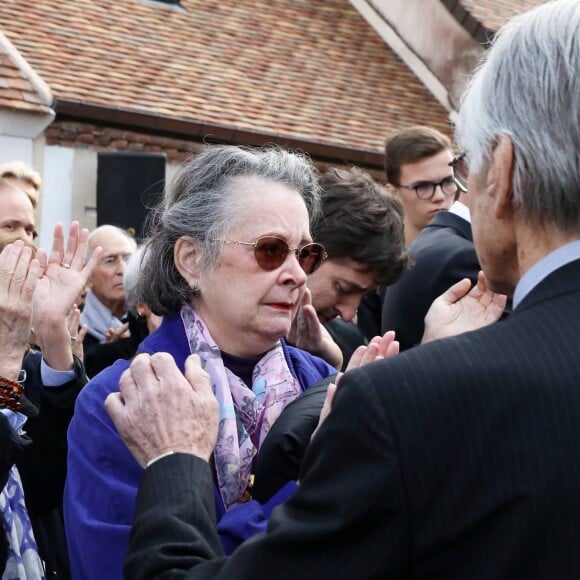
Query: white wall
(57,192)
(16,149)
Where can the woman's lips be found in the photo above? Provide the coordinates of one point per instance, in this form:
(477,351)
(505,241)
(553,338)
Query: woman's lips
(285,307)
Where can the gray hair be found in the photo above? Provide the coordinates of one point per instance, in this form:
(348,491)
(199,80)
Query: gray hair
(527,88)
(108,228)
(201,203)
(131,277)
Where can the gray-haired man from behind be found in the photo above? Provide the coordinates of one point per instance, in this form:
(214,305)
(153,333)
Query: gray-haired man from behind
(455,459)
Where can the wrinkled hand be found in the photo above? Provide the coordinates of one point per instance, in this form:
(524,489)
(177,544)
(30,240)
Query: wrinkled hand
(64,274)
(378,348)
(308,333)
(19,273)
(159,409)
(460,309)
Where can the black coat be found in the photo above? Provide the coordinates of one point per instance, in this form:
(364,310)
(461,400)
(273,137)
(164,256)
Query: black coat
(442,254)
(283,449)
(99,356)
(41,456)
(457,459)
(42,465)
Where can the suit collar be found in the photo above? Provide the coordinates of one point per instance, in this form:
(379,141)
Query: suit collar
(446,219)
(562,281)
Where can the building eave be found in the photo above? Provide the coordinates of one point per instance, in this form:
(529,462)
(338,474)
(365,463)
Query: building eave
(210,132)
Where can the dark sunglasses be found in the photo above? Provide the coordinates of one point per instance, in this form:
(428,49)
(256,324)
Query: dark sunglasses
(270,253)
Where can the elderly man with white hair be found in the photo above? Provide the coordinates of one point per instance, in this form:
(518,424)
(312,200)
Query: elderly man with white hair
(104,306)
(455,459)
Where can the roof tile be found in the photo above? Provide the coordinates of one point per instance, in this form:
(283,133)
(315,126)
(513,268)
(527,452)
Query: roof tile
(494,13)
(17,92)
(308,68)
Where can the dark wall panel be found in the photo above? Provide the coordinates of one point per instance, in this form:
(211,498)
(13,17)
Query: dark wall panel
(128,186)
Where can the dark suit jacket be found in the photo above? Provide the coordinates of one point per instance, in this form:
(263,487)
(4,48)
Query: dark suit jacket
(41,460)
(282,451)
(42,465)
(443,253)
(454,460)
(99,356)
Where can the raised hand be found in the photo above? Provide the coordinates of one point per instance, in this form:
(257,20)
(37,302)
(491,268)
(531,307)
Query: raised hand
(64,275)
(378,348)
(19,273)
(308,333)
(460,309)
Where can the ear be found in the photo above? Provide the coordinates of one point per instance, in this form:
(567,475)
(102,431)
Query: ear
(501,176)
(186,255)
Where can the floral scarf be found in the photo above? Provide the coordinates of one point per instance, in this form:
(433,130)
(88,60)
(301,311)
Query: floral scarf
(23,563)
(256,409)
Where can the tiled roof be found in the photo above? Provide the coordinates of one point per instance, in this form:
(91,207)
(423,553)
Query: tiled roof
(492,14)
(307,69)
(17,90)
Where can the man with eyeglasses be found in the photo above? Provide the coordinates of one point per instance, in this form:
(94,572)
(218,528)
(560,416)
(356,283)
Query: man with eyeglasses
(418,173)
(104,306)
(417,169)
(442,254)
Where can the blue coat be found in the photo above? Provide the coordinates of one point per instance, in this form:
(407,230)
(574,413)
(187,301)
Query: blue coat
(103,477)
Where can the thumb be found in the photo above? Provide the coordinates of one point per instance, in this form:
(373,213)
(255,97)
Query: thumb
(195,374)
(114,406)
(456,292)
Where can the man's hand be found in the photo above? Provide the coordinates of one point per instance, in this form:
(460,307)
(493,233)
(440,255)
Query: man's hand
(19,273)
(460,309)
(159,410)
(308,333)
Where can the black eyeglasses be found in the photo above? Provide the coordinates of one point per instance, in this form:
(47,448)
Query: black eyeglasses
(459,166)
(426,189)
(270,253)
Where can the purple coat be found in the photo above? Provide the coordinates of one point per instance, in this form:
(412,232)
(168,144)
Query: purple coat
(103,477)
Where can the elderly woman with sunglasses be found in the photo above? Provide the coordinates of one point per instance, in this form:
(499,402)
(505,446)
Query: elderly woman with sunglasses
(226,266)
